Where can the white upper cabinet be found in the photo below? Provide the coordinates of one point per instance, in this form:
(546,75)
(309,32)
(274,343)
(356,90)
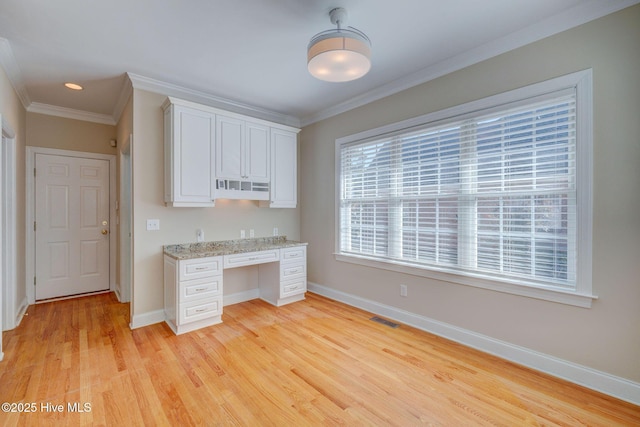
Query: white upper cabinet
(189,153)
(257,157)
(242,150)
(211,153)
(284,170)
(230,138)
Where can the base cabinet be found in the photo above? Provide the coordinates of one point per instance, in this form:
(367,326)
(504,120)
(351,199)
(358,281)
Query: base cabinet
(192,293)
(285,282)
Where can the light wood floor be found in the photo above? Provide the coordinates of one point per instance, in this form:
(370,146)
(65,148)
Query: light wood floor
(317,362)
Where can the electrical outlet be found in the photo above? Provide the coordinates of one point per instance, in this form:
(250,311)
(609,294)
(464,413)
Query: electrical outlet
(403,290)
(252,234)
(242,234)
(153,224)
(199,235)
(275,231)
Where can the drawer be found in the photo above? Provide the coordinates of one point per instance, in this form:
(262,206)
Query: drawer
(200,310)
(198,289)
(200,267)
(293,287)
(292,271)
(293,254)
(251,258)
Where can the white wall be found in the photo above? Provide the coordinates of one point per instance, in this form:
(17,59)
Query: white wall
(178,225)
(605,337)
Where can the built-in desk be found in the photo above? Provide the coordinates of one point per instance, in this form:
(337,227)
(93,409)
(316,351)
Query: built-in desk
(194,276)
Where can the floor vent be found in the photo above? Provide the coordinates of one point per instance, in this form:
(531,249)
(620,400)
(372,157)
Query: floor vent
(384,322)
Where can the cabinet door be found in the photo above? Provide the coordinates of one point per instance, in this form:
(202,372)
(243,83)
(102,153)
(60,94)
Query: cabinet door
(191,156)
(229,148)
(284,170)
(257,152)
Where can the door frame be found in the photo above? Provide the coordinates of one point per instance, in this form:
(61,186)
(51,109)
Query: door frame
(125,220)
(31,200)
(11,314)
(2,284)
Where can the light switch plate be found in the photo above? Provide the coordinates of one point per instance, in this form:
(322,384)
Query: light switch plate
(153,224)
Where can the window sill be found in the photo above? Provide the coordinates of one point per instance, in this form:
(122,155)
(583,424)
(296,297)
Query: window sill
(538,292)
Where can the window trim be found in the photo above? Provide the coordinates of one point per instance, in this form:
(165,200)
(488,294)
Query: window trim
(582,296)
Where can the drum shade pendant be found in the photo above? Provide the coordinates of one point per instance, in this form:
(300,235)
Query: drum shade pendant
(339,55)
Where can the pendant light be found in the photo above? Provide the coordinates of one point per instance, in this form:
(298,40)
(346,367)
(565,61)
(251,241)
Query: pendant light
(339,55)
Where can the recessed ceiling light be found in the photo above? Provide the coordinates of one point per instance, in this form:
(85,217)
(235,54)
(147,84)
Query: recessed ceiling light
(73,86)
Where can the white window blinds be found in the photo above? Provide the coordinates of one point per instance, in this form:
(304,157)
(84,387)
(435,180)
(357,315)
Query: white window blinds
(492,193)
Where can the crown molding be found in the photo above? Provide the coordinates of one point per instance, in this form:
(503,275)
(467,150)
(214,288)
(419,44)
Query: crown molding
(70,113)
(125,93)
(169,89)
(7,130)
(570,18)
(10,66)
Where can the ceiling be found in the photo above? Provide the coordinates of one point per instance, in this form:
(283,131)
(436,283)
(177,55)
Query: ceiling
(252,53)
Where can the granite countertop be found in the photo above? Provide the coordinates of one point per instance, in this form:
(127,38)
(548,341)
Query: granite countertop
(227,247)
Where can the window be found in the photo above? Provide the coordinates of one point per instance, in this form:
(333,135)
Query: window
(495,193)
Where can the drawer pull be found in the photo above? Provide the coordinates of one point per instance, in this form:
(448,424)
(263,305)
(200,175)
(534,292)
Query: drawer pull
(201,310)
(200,289)
(201,268)
(253,258)
(293,255)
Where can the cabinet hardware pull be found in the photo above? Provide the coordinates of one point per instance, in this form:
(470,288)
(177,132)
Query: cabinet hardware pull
(201,310)
(200,289)
(201,268)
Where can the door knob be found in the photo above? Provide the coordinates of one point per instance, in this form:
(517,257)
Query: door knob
(105,231)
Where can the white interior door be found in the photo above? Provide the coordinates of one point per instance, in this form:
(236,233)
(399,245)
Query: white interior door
(72,228)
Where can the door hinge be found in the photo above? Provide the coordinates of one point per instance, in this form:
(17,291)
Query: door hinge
(34,226)
(34,280)
(34,171)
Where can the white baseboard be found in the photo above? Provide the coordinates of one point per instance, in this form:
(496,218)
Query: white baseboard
(22,309)
(146,319)
(1,353)
(240,297)
(596,380)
